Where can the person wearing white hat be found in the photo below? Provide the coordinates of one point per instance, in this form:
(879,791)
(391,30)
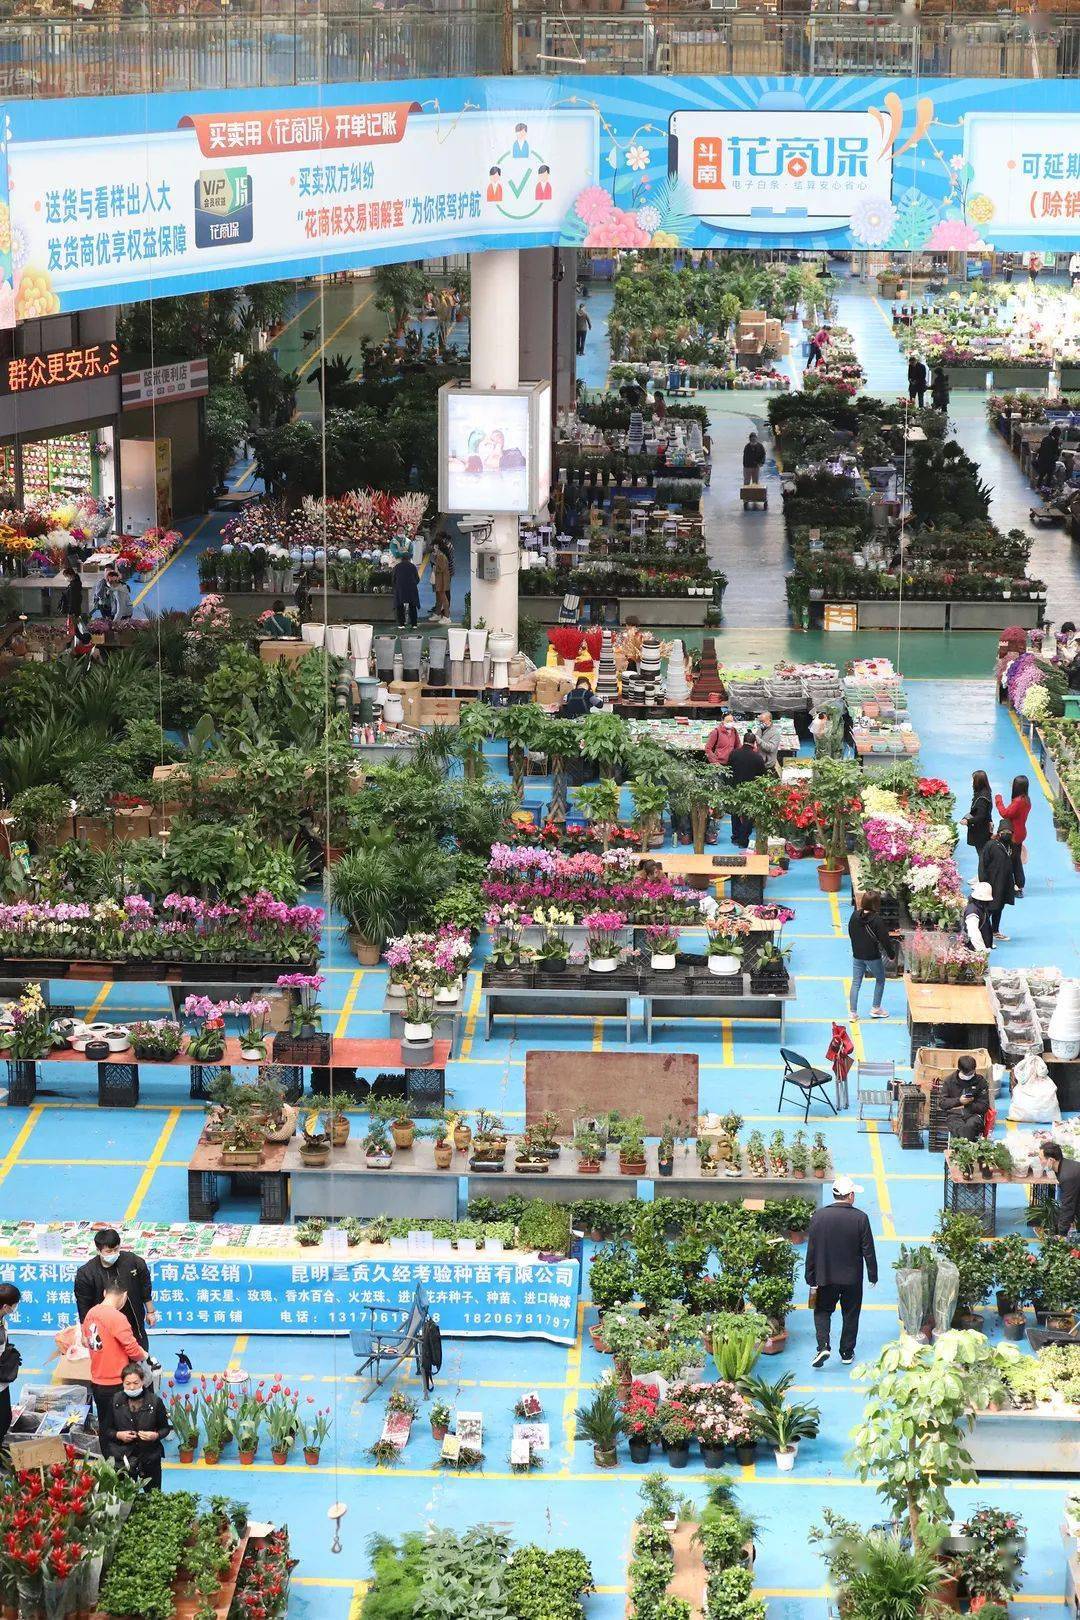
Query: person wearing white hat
(978,921)
(839,1246)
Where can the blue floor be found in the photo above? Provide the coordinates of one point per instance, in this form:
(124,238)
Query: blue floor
(66,1158)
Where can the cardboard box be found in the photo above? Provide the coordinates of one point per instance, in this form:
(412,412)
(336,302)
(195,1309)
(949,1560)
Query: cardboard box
(552,686)
(72,1370)
(287,652)
(440,711)
(410,699)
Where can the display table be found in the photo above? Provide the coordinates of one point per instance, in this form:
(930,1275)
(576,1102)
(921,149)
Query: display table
(701,1002)
(207,1170)
(318,1290)
(346,1186)
(1037,1441)
(977,1194)
(949,1015)
(687,1181)
(551,1000)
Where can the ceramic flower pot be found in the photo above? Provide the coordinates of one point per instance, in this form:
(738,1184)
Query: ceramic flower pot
(417,1032)
(336,640)
(403,1132)
(662,962)
(458,641)
(785,1460)
(444,1153)
(724,966)
(393,709)
(360,636)
(603,964)
(477,644)
(339,1130)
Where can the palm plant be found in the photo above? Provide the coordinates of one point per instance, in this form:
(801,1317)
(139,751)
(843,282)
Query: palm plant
(362,886)
(890,1579)
(600,1422)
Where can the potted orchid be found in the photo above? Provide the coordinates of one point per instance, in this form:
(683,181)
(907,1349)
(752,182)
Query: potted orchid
(305,1012)
(663,947)
(419,1012)
(725,951)
(253,1037)
(554,951)
(207,1045)
(604,928)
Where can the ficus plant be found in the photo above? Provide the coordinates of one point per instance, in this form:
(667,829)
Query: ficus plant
(920,1403)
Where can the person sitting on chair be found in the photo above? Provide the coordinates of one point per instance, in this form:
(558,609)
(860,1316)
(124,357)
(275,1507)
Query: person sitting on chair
(964,1099)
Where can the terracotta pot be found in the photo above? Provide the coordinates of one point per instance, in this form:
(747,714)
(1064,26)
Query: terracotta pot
(444,1153)
(403,1132)
(210,1456)
(367,954)
(830,879)
(631,1167)
(774,1343)
(315,1156)
(588,1167)
(187,1454)
(339,1130)
(438,1431)
(246,1458)
(311,1456)
(280,1458)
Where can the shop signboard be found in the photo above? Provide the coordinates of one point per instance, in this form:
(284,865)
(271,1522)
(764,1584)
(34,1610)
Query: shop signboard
(139,197)
(164,385)
(26,374)
(490,1296)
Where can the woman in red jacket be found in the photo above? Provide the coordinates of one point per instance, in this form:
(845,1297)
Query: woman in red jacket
(1016,814)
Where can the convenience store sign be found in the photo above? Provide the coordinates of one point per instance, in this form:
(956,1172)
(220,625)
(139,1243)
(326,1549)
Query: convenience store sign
(150,197)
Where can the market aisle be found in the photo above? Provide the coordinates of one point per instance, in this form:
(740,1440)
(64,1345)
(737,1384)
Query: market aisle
(749,546)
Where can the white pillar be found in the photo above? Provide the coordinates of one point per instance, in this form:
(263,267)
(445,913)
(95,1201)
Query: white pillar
(494,303)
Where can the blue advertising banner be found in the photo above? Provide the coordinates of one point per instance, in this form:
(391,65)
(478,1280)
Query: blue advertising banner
(130,197)
(508,1296)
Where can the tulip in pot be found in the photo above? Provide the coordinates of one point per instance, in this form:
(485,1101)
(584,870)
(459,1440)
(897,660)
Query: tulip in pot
(1064,1027)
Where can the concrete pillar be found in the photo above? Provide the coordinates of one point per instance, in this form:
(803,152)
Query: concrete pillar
(494,305)
(564,382)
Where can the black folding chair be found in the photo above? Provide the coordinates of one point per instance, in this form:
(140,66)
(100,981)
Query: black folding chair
(388,1345)
(801,1074)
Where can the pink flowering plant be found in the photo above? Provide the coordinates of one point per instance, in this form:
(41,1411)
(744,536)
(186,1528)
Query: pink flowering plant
(436,961)
(603,929)
(304,1010)
(207,1045)
(255,1012)
(180,928)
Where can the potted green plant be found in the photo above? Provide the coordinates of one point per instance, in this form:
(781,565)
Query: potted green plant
(599,1422)
(835,792)
(588,1147)
(334,1108)
(242,1140)
(1016,1274)
(632,1146)
(781,1423)
(611,1277)
(819,1158)
(773,1296)
(707,1164)
(554,949)
(665,1152)
(1058,1283)
(439,1417)
(157,1040)
(378,1148)
(364,888)
(599,804)
(675,1426)
(314,1143)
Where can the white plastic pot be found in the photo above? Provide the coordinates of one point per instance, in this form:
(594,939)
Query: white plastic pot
(313,634)
(785,1460)
(663,962)
(447,993)
(458,640)
(337,640)
(416,1032)
(393,710)
(477,644)
(603,964)
(1064,1026)
(360,642)
(724,966)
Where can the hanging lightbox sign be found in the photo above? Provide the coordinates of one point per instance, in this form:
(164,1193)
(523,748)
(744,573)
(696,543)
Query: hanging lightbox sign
(494,449)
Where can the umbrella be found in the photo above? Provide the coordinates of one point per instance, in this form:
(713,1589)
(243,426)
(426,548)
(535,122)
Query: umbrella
(839,1054)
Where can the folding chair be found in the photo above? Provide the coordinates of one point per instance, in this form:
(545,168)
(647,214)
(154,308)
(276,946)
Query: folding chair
(800,1073)
(881,1095)
(388,1346)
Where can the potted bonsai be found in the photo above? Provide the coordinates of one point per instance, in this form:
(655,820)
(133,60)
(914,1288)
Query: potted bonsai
(438,1132)
(599,1422)
(333,1108)
(798,1156)
(278,1116)
(706,1163)
(665,1152)
(402,1128)
(314,1144)
(242,1140)
(462,1135)
(489,1141)
(632,1146)
(663,942)
(819,1157)
(378,1149)
(756,1158)
(588,1147)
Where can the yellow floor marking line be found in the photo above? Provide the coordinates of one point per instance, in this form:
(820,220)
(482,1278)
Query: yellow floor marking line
(153,1164)
(10,1158)
(97,1003)
(1037,770)
(237,1351)
(470,1018)
(308,365)
(167,564)
(598,1035)
(855,1027)
(881,1181)
(834,909)
(727,1037)
(356,1607)
(341,1029)
(573,1389)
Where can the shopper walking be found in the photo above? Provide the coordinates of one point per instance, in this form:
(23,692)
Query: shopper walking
(753,459)
(406,579)
(112,1345)
(939,390)
(72,599)
(139,1425)
(113,1267)
(916,381)
(839,1247)
(871,946)
(1068,1180)
(584,327)
(996,868)
(440,577)
(978,921)
(1016,813)
(979,820)
(745,764)
(10,1359)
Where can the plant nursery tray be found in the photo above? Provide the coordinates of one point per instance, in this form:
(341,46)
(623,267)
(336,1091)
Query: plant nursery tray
(303,1051)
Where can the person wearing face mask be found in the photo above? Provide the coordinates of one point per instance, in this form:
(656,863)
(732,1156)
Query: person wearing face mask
(140,1424)
(114,1267)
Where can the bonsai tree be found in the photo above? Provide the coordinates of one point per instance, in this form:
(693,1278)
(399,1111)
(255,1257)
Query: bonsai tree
(920,1403)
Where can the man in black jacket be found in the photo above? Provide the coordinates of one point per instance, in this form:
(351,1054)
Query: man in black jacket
(838,1245)
(964,1098)
(114,1267)
(745,763)
(1068,1180)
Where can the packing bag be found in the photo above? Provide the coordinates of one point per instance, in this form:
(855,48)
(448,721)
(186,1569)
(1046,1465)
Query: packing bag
(1034,1098)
